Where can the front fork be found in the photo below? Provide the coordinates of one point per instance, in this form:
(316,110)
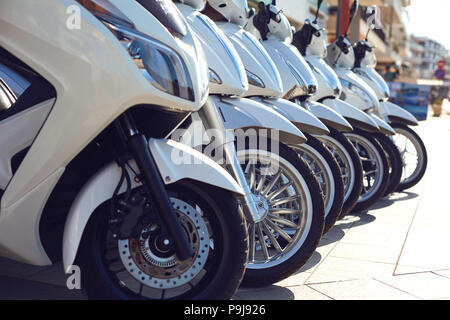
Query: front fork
(136,142)
(225,139)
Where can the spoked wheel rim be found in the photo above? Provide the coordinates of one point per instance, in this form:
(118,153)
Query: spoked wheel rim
(372,165)
(321,171)
(411,153)
(285,195)
(345,163)
(143,268)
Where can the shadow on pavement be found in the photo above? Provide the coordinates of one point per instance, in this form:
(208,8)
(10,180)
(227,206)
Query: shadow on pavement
(20,289)
(272,292)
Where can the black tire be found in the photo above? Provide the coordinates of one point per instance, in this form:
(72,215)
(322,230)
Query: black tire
(334,210)
(395,162)
(225,262)
(268,275)
(365,202)
(356,190)
(420,171)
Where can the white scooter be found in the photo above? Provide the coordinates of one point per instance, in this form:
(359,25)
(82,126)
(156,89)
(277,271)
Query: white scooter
(86,170)
(375,166)
(290,219)
(271,27)
(412,149)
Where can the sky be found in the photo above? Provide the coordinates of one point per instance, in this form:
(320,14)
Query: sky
(430,18)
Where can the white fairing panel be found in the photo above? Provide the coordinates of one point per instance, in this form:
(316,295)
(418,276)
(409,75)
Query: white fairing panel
(365,102)
(328,116)
(356,117)
(269,119)
(255,59)
(293,69)
(394,113)
(174,160)
(17,133)
(19,233)
(220,54)
(385,128)
(300,117)
(375,81)
(328,81)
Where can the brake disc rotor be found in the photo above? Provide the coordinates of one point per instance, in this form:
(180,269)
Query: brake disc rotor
(158,267)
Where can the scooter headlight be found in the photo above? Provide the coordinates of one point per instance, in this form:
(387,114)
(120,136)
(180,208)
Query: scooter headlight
(158,63)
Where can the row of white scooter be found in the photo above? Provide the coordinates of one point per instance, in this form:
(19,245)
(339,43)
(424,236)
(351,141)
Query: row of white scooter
(290,135)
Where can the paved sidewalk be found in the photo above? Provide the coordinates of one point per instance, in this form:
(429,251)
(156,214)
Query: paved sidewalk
(397,250)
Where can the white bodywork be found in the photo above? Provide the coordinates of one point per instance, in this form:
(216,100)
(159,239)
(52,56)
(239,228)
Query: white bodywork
(354,98)
(393,113)
(354,116)
(387,110)
(385,128)
(174,160)
(302,118)
(268,118)
(255,60)
(17,133)
(83,65)
(295,74)
(220,54)
(328,82)
(375,81)
(328,116)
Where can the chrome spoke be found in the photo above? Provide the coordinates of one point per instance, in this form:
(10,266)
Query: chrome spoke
(283,221)
(280,201)
(262,242)
(252,245)
(260,183)
(279,191)
(271,184)
(284,211)
(280,231)
(368,173)
(273,240)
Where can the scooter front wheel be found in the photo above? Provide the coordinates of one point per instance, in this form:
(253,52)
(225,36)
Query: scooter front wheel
(414,156)
(289,231)
(142,267)
(375,168)
(394,160)
(351,167)
(328,173)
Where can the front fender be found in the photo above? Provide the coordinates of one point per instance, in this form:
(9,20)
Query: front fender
(267,117)
(394,113)
(328,116)
(353,115)
(385,128)
(300,117)
(174,160)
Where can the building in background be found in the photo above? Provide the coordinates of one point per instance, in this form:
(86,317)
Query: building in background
(401,57)
(425,53)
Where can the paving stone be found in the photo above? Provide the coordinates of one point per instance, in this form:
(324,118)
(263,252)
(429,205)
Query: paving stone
(365,289)
(366,253)
(423,285)
(336,269)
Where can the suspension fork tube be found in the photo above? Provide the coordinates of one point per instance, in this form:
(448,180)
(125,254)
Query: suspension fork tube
(225,139)
(152,179)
